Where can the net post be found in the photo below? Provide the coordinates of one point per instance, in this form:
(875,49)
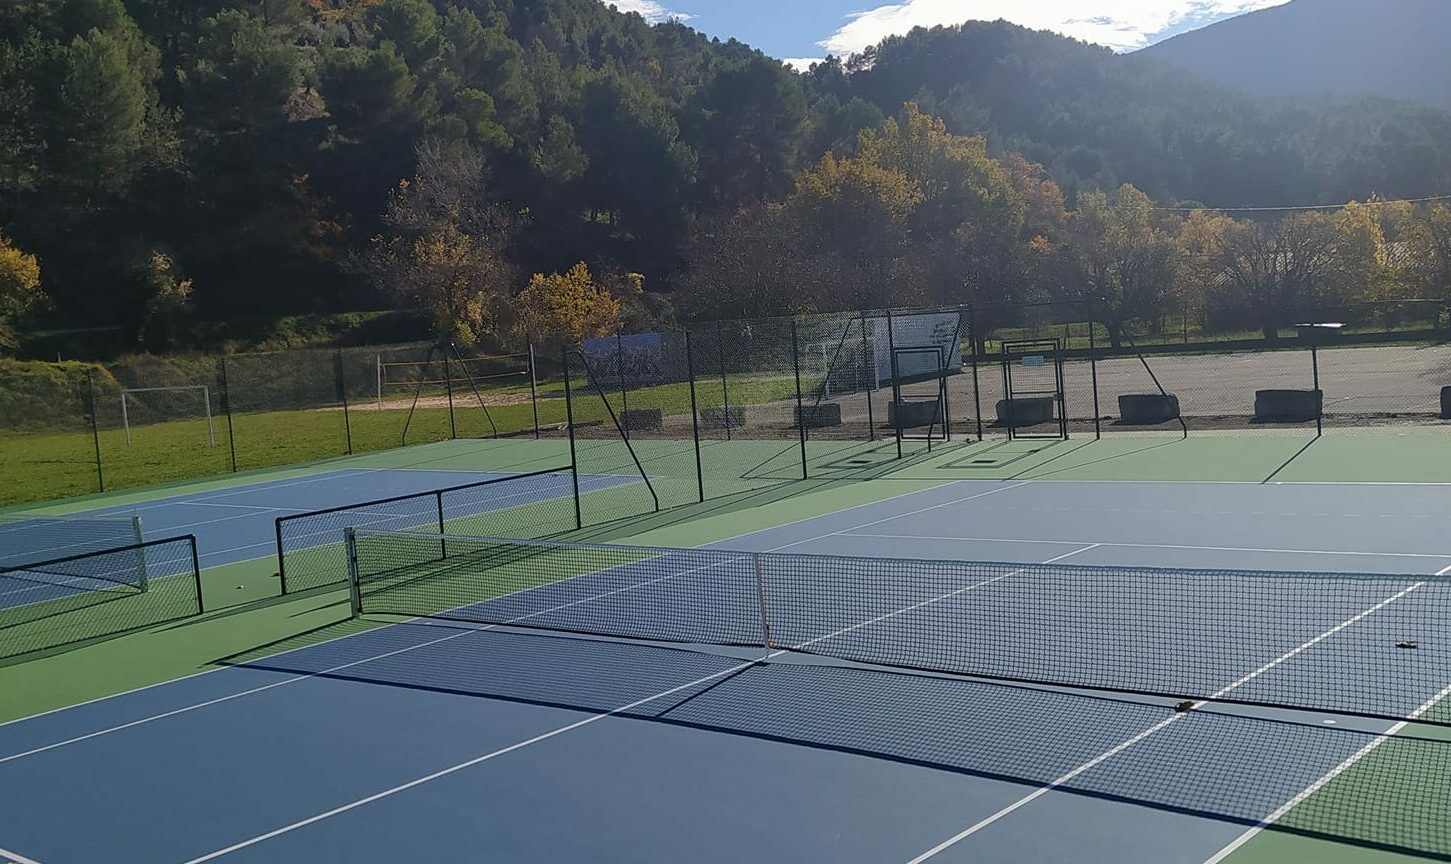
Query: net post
(281,558)
(342,390)
(756,562)
(196,573)
(355,593)
(569,424)
(95,428)
(800,406)
(534,389)
(140,551)
(448,391)
(442,528)
(694,416)
(378,368)
(226,386)
(870,368)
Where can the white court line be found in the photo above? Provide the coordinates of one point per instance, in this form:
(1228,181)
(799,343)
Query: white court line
(848,530)
(1162,724)
(8,857)
(294,680)
(215,670)
(266,507)
(1280,812)
(173,500)
(352,664)
(1154,546)
(353,805)
(403,787)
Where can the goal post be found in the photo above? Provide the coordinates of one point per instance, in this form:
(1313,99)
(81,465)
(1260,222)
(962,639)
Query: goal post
(128,393)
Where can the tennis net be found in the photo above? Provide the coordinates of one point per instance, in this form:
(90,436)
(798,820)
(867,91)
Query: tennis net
(58,601)
(1359,644)
(537,504)
(57,540)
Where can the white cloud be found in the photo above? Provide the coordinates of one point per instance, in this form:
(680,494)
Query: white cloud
(650,10)
(1120,24)
(801,64)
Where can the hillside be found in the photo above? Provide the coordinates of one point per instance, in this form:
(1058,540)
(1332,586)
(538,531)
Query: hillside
(1097,119)
(242,158)
(1394,49)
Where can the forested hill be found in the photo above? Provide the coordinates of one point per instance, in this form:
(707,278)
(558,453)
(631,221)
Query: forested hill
(243,155)
(1395,49)
(1098,119)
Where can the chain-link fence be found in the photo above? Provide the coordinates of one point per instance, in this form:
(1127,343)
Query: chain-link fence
(727,407)
(71,429)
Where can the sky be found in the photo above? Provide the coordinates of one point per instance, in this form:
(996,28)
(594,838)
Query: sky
(803,30)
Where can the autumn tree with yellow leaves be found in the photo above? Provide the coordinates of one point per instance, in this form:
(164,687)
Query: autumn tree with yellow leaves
(566,307)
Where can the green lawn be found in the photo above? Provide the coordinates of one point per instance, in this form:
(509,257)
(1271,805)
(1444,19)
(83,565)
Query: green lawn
(49,465)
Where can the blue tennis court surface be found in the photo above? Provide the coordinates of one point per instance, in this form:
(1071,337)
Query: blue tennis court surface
(236,523)
(444,741)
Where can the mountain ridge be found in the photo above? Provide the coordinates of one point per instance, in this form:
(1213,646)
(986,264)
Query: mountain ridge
(1316,48)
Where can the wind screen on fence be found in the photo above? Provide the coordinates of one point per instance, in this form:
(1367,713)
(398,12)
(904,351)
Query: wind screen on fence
(1336,642)
(309,545)
(59,601)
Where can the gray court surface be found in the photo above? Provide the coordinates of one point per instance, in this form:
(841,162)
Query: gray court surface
(443,742)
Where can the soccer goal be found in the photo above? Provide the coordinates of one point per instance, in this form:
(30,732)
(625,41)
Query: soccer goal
(182,393)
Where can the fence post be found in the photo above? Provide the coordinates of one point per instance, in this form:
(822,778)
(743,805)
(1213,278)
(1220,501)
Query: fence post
(870,364)
(800,407)
(1315,379)
(342,384)
(894,409)
(725,390)
(448,390)
(1093,367)
(973,340)
(620,367)
(569,424)
(95,429)
(694,416)
(534,389)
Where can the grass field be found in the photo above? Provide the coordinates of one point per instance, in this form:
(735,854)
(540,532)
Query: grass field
(49,465)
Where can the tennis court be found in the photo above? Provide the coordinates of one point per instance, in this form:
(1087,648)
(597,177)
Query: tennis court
(235,523)
(831,688)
